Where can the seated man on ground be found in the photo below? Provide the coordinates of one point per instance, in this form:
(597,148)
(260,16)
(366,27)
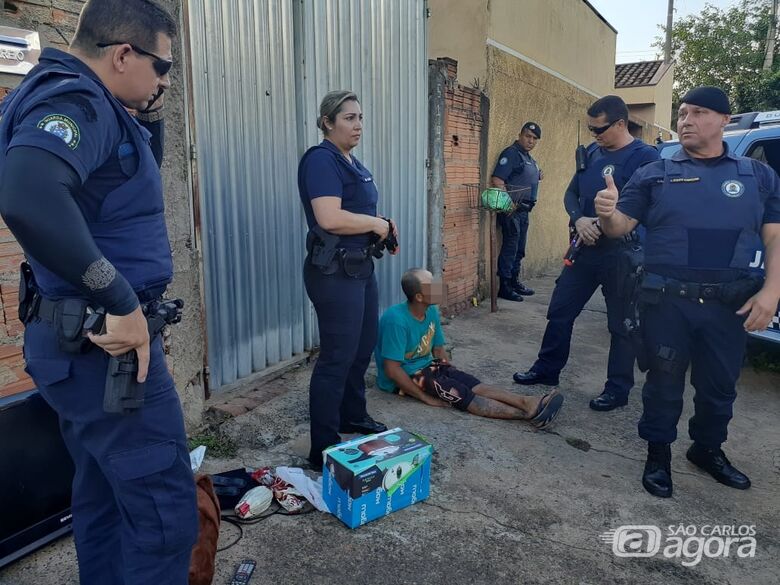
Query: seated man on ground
(412,361)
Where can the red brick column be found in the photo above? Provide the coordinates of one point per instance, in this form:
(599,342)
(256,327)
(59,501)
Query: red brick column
(462,134)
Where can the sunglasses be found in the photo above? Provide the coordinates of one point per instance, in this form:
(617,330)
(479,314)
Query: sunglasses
(599,130)
(161,66)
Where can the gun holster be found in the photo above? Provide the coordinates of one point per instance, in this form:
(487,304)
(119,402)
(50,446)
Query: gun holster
(69,318)
(629,269)
(651,289)
(27,290)
(323,250)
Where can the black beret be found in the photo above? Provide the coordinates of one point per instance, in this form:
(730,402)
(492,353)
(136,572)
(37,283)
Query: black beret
(708,96)
(533,127)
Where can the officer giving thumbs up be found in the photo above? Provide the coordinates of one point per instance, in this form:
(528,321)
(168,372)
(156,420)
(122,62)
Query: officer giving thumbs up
(706,211)
(606,199)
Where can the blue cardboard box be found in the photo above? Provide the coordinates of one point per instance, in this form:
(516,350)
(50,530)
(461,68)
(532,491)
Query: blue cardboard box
(371,476)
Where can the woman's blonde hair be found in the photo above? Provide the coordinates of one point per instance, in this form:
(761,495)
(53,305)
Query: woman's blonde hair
(331,105)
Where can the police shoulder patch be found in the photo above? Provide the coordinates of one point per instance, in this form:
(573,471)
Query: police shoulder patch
(62,127)
(732,188)
(503,160)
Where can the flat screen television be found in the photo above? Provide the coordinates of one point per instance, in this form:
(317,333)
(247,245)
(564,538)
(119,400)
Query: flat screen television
(36,472)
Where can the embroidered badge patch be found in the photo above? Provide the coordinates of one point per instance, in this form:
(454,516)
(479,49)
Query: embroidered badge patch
(62,127)
(732,188)
(503,160)
(607,170)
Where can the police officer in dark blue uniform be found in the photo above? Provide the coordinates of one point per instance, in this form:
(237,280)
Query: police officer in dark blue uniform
(339,197)
(80,188)
(706,211)
(517,173)
(617,154)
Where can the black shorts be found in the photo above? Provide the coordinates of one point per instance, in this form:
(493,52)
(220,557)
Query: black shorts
(439,380)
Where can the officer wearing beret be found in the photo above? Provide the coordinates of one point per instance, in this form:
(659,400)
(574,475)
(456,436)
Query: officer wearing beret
(92,226)
(706,211)
(518,173)
(614,154)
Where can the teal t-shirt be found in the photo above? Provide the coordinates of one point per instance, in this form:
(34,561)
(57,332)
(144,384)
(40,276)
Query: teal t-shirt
(403,338)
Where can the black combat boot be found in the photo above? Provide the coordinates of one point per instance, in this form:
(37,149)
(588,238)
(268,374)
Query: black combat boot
(714,462)
(520,288)
(657,477)
(507,291)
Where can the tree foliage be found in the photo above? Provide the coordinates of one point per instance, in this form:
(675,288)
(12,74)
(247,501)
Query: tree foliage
(726,48)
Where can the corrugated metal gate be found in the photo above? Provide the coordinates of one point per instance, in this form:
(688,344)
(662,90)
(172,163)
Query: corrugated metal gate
(260,68)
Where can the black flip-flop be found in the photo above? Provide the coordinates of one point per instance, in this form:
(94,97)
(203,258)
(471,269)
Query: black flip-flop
(547,411)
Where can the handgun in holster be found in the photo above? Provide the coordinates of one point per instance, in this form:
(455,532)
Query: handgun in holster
(642,289)
(323,248)
(123,393)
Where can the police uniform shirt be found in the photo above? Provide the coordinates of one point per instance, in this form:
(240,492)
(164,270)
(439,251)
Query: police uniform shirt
(325,172)
(710,191)
(518,169)
(74,120)
(621,164)
(63,108)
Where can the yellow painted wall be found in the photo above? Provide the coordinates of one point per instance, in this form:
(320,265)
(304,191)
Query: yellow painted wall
(564,35)
(458,29)
(520,92)
(659,94)
(645,111)
(663,100)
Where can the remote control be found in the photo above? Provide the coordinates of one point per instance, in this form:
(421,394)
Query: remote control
(243,573)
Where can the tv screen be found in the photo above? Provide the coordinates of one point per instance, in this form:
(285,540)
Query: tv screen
(36,472)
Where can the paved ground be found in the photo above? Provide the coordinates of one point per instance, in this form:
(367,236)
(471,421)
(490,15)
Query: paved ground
(508,504)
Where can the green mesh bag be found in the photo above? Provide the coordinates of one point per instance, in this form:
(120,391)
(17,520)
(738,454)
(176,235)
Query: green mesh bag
(497,200)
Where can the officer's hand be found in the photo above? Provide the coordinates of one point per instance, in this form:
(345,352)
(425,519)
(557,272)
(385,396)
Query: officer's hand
(126,333)
(381,228)
(541,175)
(760,308)
(606,199)
(587,230)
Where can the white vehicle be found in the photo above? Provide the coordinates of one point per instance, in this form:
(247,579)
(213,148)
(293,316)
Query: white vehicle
(757,135)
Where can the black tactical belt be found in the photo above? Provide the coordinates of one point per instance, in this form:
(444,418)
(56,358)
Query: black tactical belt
(693,290)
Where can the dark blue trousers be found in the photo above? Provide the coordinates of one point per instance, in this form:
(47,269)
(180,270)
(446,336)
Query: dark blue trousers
(710,339)
(514,229)
(347,315)
(135,517)
(595,266)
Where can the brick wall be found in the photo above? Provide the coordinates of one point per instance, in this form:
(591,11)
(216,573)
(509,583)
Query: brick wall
(13,379)
(55,20)
(461,238)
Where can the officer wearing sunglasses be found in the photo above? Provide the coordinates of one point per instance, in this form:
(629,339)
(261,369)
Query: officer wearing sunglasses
(614,153)
(92,226)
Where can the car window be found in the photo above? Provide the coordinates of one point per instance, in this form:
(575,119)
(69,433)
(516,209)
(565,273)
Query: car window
(767,151)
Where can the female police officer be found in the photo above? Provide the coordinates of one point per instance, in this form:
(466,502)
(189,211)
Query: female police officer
(340,200)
